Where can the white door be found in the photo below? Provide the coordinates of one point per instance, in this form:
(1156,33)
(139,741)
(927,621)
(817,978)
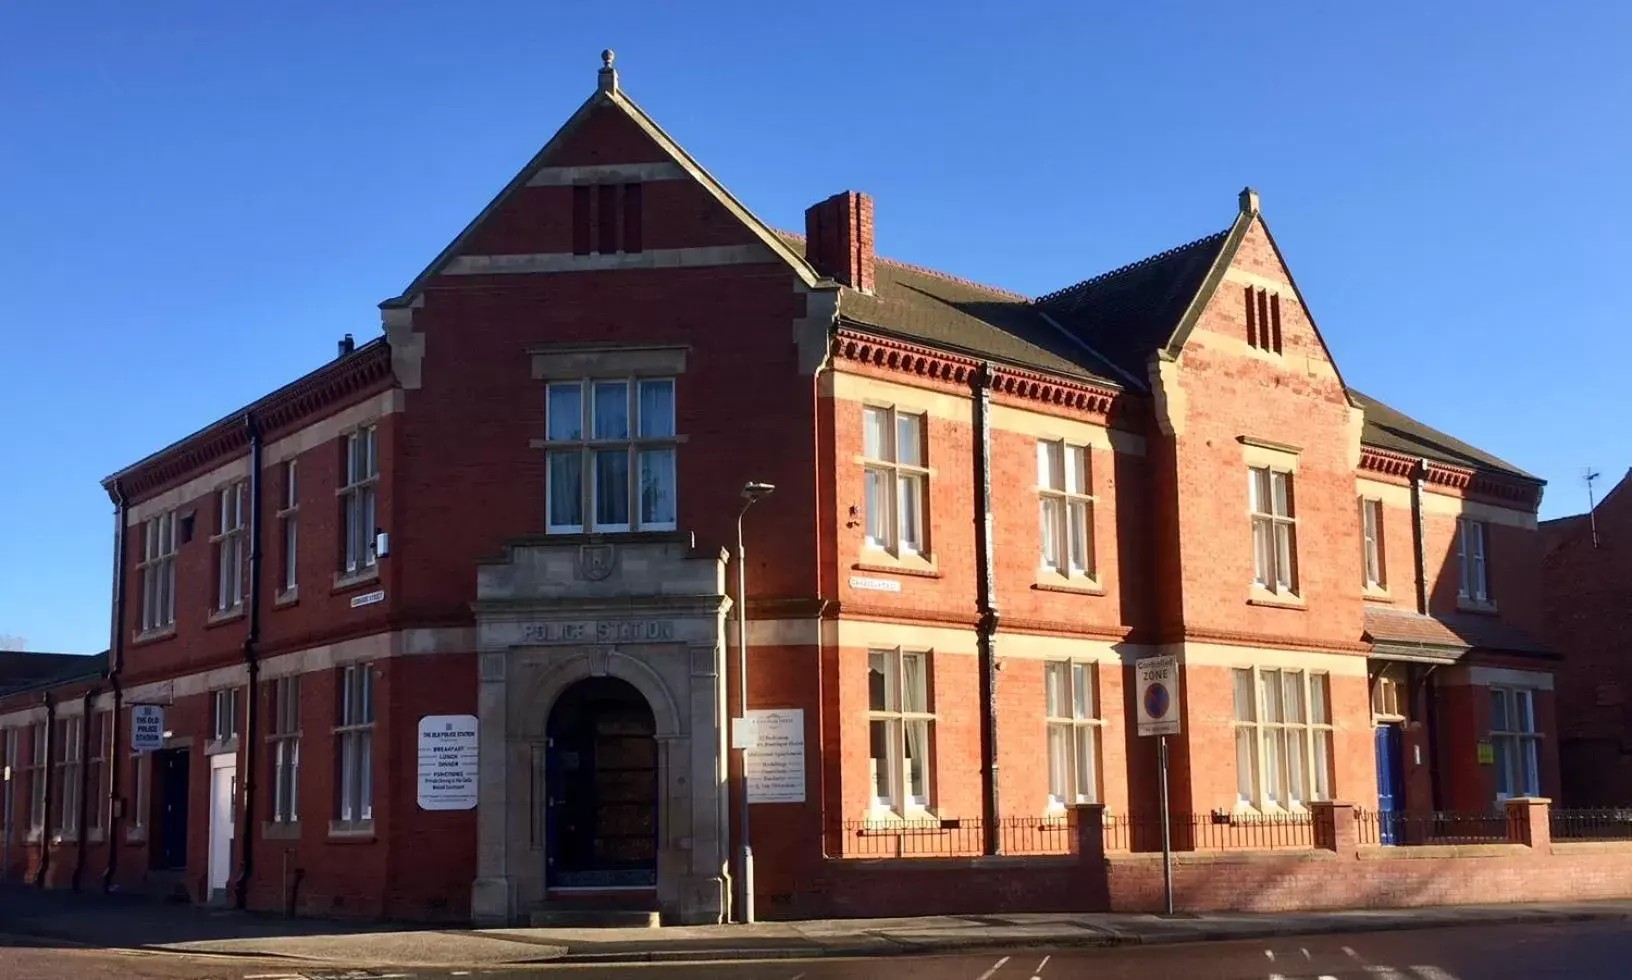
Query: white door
(223,786)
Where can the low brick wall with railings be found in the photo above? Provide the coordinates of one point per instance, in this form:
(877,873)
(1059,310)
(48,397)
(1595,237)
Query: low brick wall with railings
(1335,856)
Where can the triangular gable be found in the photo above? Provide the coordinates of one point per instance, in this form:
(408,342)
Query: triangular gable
(1215,279)
(615,98)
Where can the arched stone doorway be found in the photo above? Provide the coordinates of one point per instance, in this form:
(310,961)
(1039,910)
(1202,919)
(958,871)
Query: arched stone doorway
(601,788)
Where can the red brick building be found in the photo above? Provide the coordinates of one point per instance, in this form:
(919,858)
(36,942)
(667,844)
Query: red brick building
(519,506)
(1588,577)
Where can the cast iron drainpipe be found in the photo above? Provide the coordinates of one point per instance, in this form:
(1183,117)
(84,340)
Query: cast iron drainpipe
(252,636)
(45,774)
(116,655)
(84,785)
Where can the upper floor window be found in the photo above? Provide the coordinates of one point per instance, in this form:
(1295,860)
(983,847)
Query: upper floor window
(1514,740)
(1470,556)
(158,569)
(1065,489)
(897,480)
(1283,737)
(231,551)
(1073,733)
(1274,530)
(610,456)
(1263,319)
(359,497)
(900,720)
(289,528)
(1371,532)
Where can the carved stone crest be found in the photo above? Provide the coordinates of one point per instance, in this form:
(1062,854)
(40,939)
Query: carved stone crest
(595,561)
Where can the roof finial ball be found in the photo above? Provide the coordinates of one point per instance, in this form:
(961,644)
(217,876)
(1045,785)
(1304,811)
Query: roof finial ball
(608,79)
(607,57)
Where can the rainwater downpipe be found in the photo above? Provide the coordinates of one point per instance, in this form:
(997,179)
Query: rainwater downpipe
(1419,476)
(986,599)
(116,664)
(252,690)
(45,803)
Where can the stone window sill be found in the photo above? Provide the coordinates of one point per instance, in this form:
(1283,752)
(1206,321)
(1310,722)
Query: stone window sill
(351,580)
(143,637)
(885,820)
(221,746)
(1076,586)
(886,565)
(1374,594)
(1485,607)
(222,616)
(287,598)
(1275,600)
(136,835)
(280,831)
(351,831)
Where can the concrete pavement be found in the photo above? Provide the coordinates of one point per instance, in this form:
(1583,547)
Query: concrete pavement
(126,922)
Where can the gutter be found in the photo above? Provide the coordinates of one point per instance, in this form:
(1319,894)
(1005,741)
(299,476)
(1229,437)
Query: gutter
(252,690)
(116,664)
(986,602)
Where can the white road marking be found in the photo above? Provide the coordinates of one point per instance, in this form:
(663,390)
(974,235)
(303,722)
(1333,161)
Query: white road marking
(1037,973)
(1432,973)
(798,976)
(1386,972)
(1270,953)
(1352,954)
(1305,951)
(995,967)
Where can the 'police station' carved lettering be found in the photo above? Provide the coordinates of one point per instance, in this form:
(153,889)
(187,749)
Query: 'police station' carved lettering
(599,631)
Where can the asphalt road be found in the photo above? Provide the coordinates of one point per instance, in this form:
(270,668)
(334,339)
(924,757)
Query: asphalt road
(1573,950)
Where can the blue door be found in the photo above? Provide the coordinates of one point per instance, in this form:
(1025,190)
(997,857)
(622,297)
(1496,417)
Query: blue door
(1390,782)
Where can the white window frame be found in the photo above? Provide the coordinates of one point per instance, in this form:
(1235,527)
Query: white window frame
(902,494)
(1373,556)
(283,737)
(354,748)
(223,714)
(359,500)
(96,757)
(1472,553)
(231,546)
(1065,491)
(1274,530)
(69,757)
(656,451)
(37,775)
(1072,730)
(1390,697)
(1267,776)
(1515,742)
(288,517)
(139,767)
(889,724)
(158,570)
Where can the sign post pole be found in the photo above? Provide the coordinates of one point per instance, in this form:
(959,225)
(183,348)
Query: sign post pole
(1158,715)
(1167,831)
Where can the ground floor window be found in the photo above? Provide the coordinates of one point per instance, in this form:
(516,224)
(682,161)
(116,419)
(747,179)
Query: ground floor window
(1073,733)
(901,723)
(1514,741)
(1283,737)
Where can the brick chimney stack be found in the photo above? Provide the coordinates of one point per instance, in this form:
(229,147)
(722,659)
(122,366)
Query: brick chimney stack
(839,239)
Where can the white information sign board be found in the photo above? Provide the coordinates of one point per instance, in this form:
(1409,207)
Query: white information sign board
(447,762)
(1157,695)
(146,727)
(775,766)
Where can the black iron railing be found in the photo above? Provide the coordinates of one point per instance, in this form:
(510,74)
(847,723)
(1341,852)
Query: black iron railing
(1434,827)
(1607,823)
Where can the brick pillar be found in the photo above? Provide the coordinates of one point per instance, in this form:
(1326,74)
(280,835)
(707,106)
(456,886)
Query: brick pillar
(1529,822)
(1086,822)
(1335,826)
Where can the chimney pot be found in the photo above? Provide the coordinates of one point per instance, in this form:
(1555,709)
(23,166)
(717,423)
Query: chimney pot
(839,239)
(347,345)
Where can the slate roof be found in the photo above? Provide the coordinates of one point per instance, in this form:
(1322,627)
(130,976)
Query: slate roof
(1128,313)
(1448,633)
(20,671)
(960,316)
(1388,428)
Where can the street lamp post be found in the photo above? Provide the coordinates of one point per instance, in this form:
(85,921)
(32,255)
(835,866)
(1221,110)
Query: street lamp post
(752,492)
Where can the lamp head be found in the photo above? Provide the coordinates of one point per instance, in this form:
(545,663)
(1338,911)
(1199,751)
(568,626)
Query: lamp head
(754,490)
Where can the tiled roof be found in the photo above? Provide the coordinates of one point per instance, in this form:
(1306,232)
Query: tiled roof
(1388,428)
(960,316)
(1127,314)
(21,671)
(1455,632)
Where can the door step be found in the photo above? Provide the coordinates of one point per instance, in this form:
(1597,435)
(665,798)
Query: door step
(567,917)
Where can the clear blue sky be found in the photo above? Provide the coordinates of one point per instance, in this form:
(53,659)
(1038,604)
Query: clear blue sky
(201,197)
